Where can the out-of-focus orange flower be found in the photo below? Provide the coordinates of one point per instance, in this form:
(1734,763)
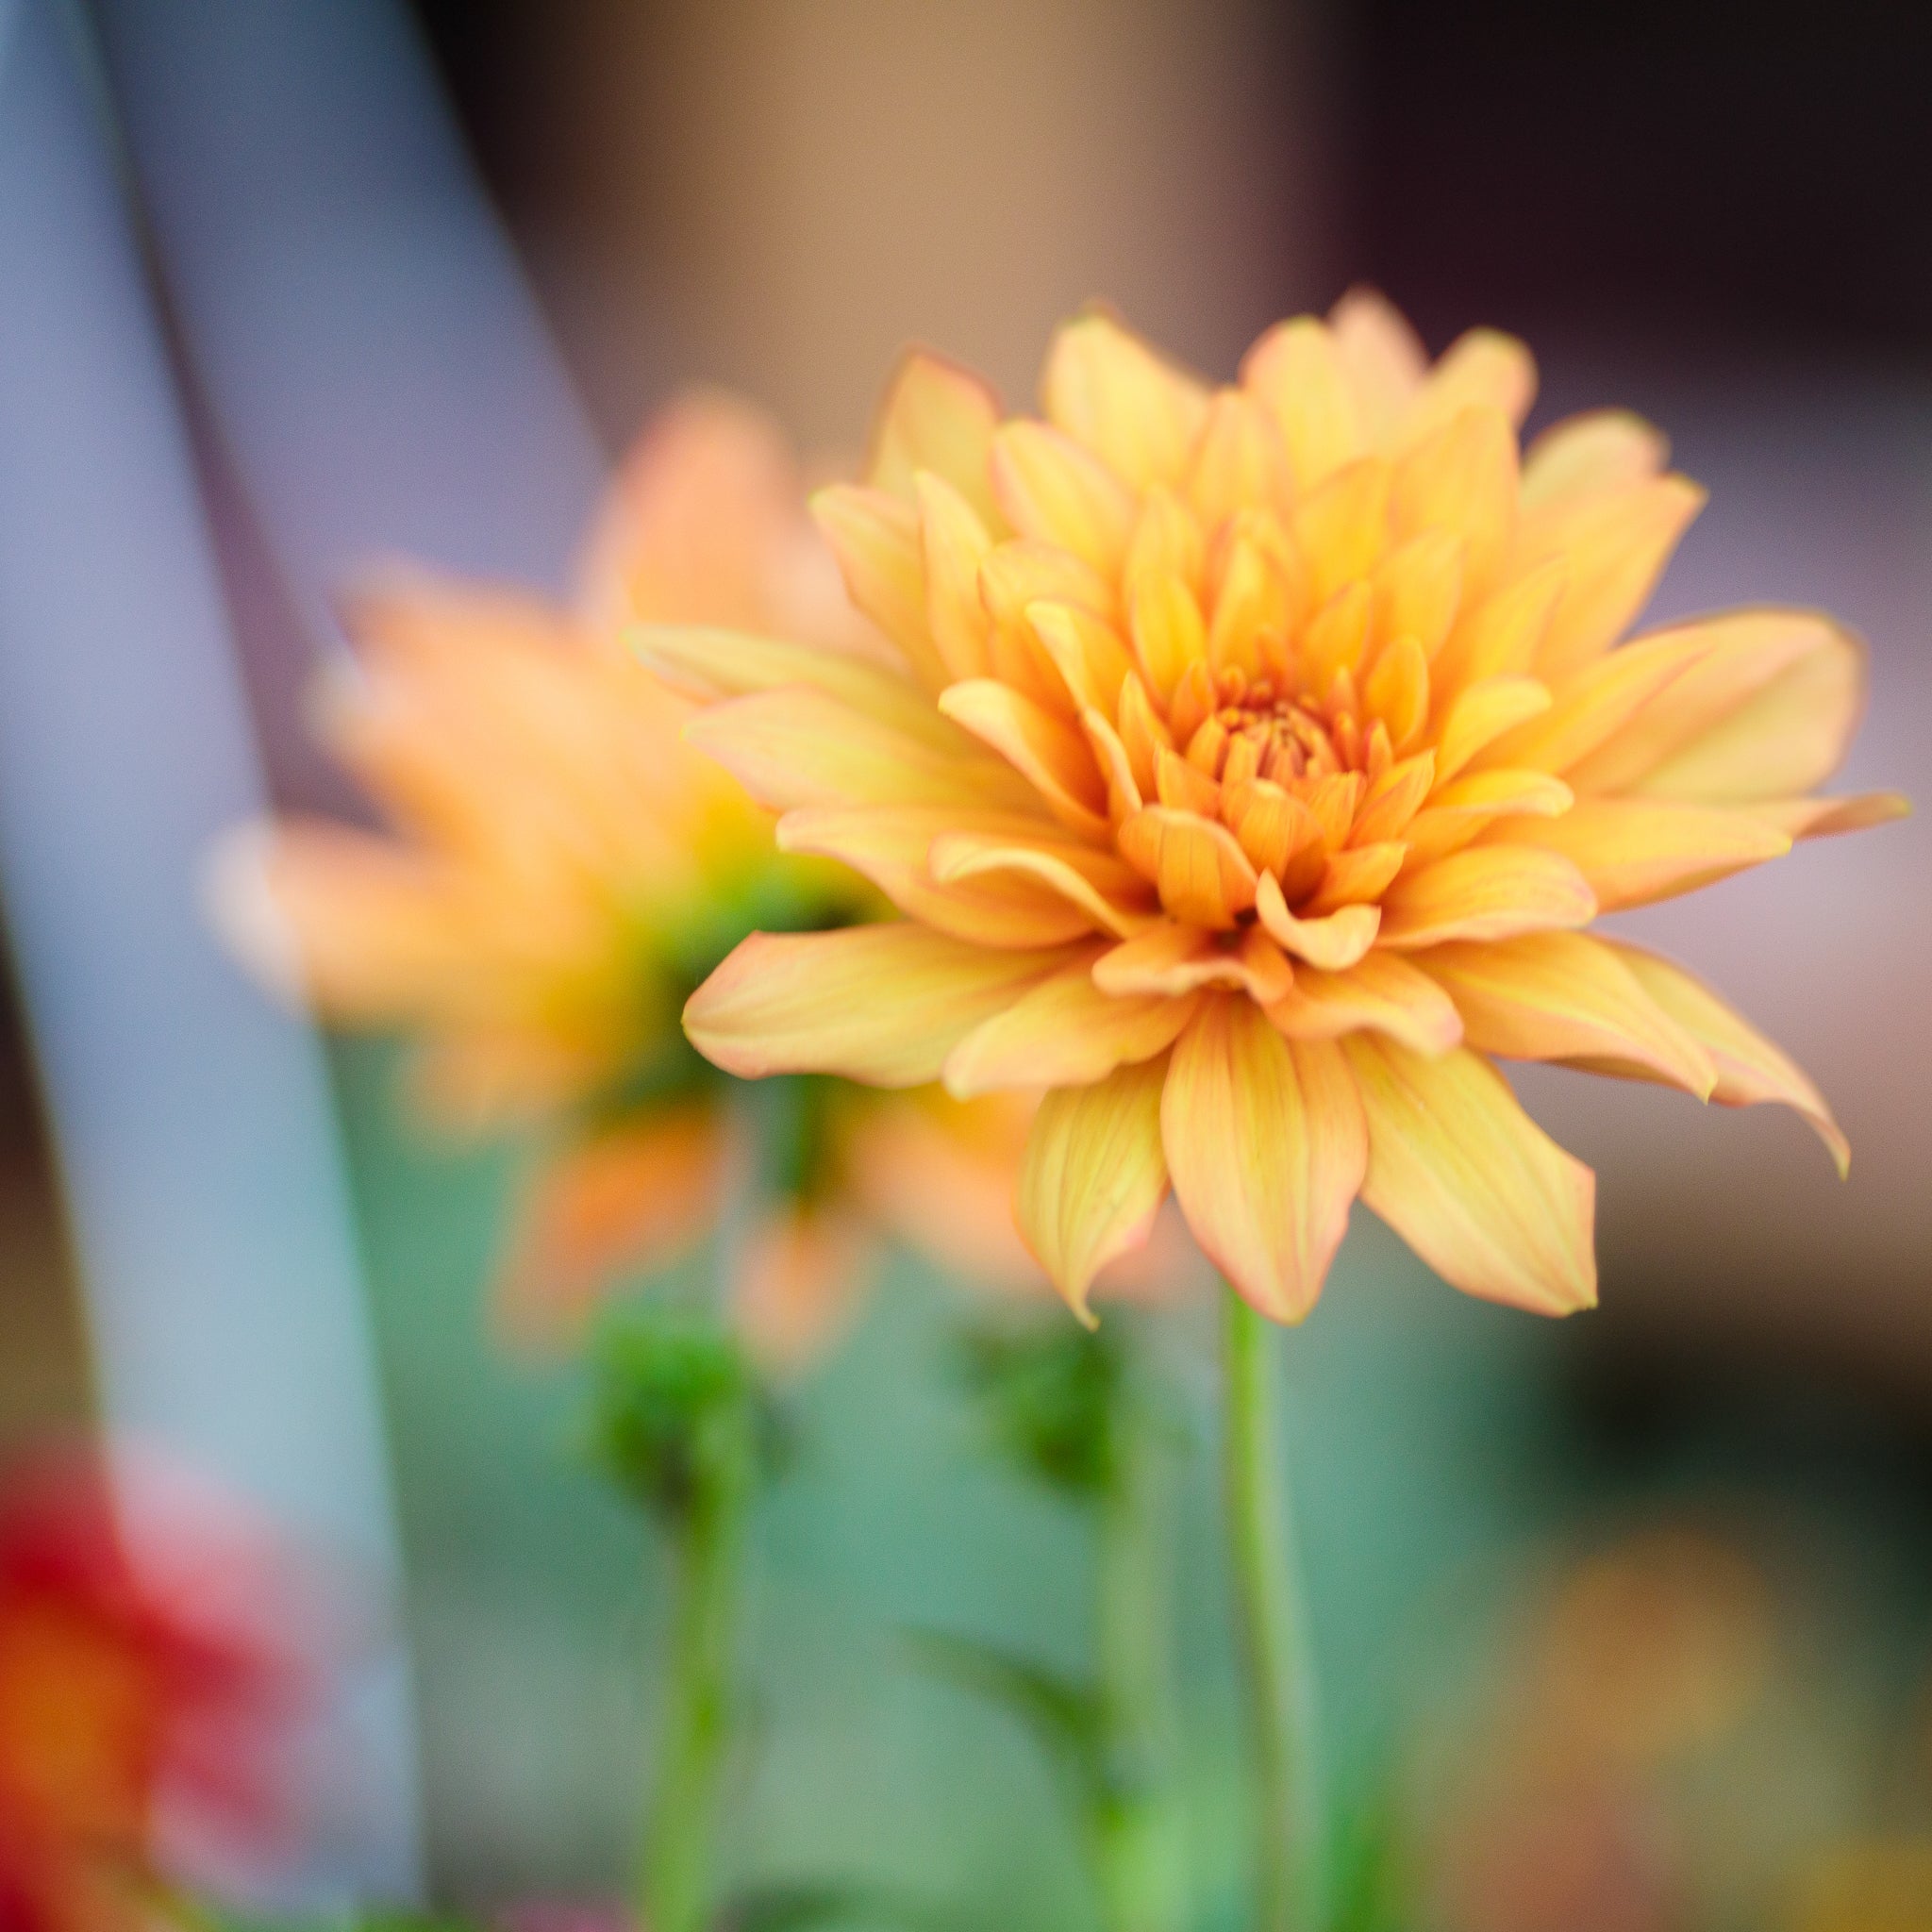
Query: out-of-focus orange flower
(1256,757)
(126,1682)
(564,869)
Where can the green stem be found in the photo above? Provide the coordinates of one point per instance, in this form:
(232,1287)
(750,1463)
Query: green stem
(1272,1636)
(1137,1847)
(680,1850)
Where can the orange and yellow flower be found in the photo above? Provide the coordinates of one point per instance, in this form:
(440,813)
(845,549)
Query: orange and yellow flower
(1256,758)
(565,869)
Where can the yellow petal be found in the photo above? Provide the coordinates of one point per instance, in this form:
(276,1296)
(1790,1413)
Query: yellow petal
(1380,993)
(880,1004)
(1168,631)
(955,545)
(1590,454)
(1488,892)
(1565,996)
(1341,528)
(1394,799)
(1332,942)
(1049,752)
(1614,548)
(1750,1069)
(1296,369)
(1065,1033)
(1087,652)
(711,664)
(1134,409)
(1826,818)
(1461,479)
(876,540)
(889,848)
(1267,1149)
(1093,1176)
(1110,894)
(1500,635)
(1384,361)
(1483,369)
(1355,876)
(1170,960)
(1471,1183)
(1397,691)
(1240,461)
(939,417)
(1016,576)
(1417,591)
(1786,736)
(1202,874)
(1480,715)
(798,747)
(1636,851)
(1054,490)
(1463,809)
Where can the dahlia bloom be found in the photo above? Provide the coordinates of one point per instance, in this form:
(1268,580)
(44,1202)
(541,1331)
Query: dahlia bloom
(1256,758)
(564,869)
(126,1682)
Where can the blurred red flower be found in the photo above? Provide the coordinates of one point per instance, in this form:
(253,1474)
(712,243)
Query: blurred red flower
(149,1671)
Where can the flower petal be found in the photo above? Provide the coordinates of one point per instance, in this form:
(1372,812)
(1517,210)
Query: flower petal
(1055,490)
(1565,996)
(890,847)
(1750,1069)
(1297,371)
(1044,749)
(1382,356)
(1267,1148)
(1381,994)
(1488,892)
(799,746)
(1471,1183)
(939,417)
(955,545)
(1483,369)
(1132,407)
(875,539)
(1332,942)
(1460,480)
(881,1003)
(1634,851)
(1093,1176)
(1202,874)
(1065,1033)
(1826,818)
(1110,894)
(1172,959)
(1590,454)
(1481,714)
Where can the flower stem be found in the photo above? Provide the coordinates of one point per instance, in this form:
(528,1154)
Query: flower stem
(1137,1848)
(1271,1633)
(681,1851)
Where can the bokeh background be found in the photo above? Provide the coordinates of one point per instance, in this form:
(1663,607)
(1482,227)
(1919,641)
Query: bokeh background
(287,290)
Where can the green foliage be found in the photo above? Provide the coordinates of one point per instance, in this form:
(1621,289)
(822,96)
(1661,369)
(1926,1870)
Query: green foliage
(1051,1395)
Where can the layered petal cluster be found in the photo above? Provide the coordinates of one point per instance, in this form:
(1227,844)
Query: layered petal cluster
(1256,758)
(563,869)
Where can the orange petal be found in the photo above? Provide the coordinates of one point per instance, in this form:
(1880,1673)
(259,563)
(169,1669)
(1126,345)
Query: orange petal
(1483,369)
(1297,371)
(1356,876)
(1110,895)
(876,540)
(1202,874)
(890,847)
(1824,818)
(1636,851)
(799,746)
(1087,652)
(939,417)
(1054,757)
(1093,1176)
(1394,800)
(1461,479)
(1384,361)
(1614,548)
(1464,808)
(1054,490)
(1500,635)
(1590,454)
(955,545)
(1471,1183)
(710,664)
(1333,941)
(1381,994)
(803,1273)
(1488,892)
(1134,409)
(626,1200)
(879,1004)
(1417,591)
(1065,1033)
(1168,631)
(1565,996)
(1267,1148)
(1480,715)
(1341,528)
(1172,959)
(1239,460)
(1397,691)
(1750,1069)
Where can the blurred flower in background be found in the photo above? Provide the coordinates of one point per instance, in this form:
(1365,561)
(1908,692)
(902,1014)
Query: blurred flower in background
(153,1672)
(566,870)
